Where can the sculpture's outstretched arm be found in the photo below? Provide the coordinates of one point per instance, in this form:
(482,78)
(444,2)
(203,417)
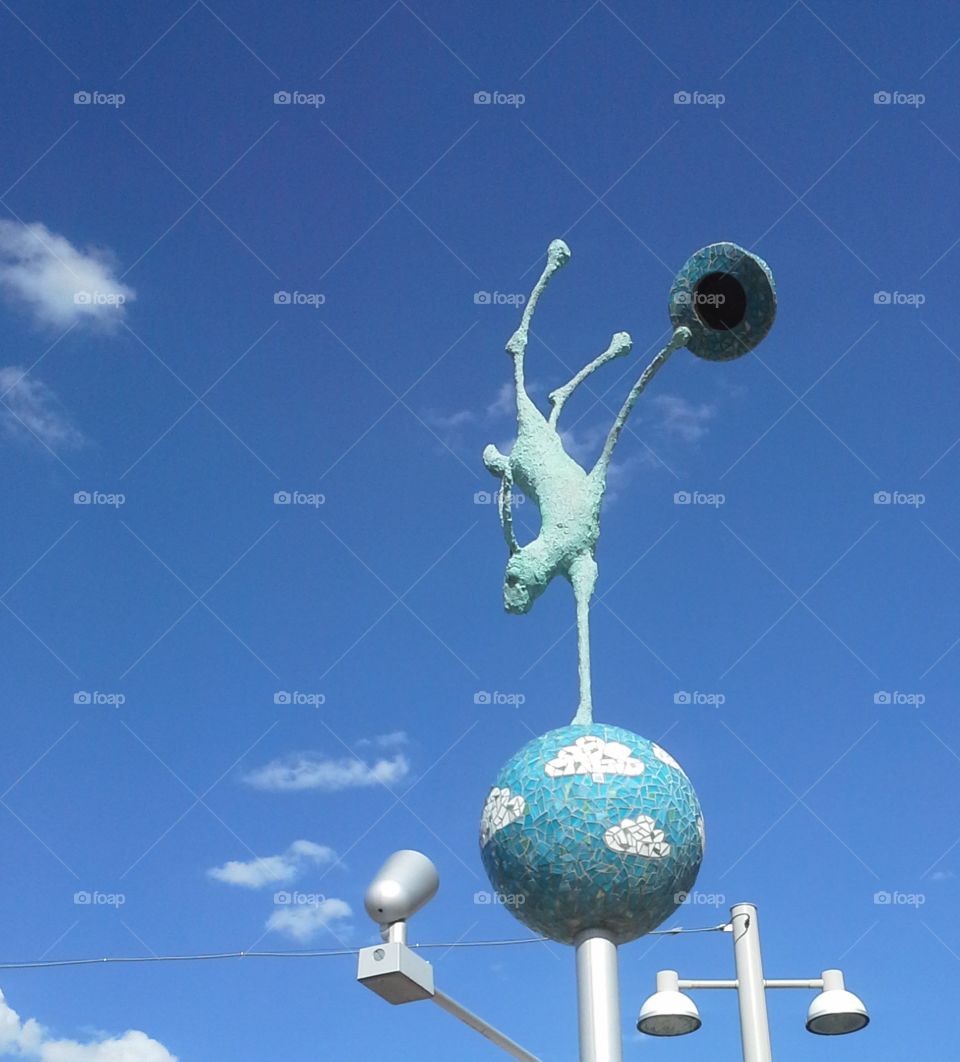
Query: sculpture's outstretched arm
(558,254)
(620,345)
(681,337)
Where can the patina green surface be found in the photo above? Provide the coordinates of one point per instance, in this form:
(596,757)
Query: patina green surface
(568,496)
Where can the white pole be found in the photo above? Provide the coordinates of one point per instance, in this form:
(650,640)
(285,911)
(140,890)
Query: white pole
(451,1006)
(598,997)
(754,1027)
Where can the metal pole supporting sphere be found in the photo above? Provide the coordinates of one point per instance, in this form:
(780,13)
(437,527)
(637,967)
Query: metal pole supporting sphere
(598,997)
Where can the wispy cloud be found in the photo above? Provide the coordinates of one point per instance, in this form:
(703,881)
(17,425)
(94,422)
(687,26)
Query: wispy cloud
(274,870)
(30,1040)
(29,408)
(308,770)
(505,404)
(302,922)
(685,420)
(392,740)
(58,283)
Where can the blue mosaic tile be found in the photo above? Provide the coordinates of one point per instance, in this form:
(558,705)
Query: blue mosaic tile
(753,275)
(592,827)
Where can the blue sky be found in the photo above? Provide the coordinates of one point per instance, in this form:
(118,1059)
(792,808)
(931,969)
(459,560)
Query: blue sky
(149,631)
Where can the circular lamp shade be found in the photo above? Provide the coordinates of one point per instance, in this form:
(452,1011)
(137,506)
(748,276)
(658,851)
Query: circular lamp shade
(726,297)
(668,1014)
(835,1012)
(591,827)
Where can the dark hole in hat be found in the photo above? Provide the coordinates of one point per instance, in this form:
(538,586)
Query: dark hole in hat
(720,301)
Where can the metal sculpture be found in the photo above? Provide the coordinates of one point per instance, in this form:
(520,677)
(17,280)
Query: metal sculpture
(721,305)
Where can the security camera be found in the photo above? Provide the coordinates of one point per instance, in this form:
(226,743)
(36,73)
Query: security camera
(402,886)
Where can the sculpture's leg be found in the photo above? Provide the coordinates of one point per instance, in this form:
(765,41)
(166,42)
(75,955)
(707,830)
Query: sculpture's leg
(583,578)
(620,345)
(558,254)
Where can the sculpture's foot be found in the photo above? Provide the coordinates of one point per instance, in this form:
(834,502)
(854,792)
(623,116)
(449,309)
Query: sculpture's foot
(584,716)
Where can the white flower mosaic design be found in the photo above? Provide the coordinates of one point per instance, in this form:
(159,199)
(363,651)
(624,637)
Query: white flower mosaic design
(500,810)
(596,757)
(639,836)
(664,757)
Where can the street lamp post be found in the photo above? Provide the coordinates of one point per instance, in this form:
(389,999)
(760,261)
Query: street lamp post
(668,1012)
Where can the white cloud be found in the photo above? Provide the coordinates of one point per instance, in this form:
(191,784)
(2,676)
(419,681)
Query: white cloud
(386,741)
(684,419)
(273,870)
(60,284)
(640,836)
(30,408)
(594,756)
(451,421)
(304,770)
(305,921)
(505,404)
(30,1040)
(500,809)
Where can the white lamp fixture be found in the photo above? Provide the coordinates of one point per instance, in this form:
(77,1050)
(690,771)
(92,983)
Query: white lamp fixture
(668,1012)
(835,1011)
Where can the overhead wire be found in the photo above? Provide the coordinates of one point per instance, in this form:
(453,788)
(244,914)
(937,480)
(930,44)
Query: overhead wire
(324,953)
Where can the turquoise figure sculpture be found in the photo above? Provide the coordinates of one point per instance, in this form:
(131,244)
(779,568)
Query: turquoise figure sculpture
(591,828)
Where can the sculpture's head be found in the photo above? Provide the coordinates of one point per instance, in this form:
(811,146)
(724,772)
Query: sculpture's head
(528,573)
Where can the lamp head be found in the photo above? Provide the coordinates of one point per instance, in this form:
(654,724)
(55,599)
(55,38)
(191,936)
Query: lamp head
(835,1011)
(668,1012)
(402,886)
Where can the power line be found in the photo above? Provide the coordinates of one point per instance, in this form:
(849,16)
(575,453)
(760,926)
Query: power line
(326,953)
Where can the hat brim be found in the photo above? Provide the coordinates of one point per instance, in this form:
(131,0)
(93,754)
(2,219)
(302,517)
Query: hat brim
(711,338)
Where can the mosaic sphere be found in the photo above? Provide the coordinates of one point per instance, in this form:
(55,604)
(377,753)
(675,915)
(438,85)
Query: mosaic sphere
(726,297)
(591,827)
